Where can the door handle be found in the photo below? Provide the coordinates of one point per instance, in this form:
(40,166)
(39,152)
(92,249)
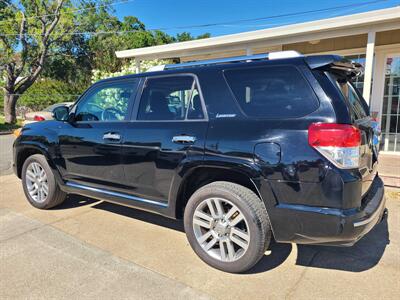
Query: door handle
(184,139)
(112,136)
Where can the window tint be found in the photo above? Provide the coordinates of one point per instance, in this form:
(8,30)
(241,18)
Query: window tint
(353,99)
(108,102)
(272,92)
(170,98)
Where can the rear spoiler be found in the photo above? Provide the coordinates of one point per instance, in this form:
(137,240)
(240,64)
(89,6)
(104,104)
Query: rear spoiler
(334,63)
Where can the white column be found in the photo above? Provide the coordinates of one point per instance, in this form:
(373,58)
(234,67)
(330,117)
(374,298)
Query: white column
(369,60)
(137,64)
(379,83)
(249,51)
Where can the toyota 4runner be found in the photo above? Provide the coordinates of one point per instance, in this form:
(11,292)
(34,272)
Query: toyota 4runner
(244,150)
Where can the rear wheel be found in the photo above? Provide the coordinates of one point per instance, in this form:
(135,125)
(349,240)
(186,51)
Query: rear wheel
(39,184)
(227,226)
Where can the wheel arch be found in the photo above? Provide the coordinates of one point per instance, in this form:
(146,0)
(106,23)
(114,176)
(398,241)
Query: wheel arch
(27,149)
(202,175)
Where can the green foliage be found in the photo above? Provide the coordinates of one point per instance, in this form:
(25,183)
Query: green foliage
(26,51)
(186,36)
(129,68)
(4,127)
(46,92)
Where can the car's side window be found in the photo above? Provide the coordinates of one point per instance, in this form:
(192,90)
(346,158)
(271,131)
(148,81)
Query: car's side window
(272,91)
(170,98)
(106,103)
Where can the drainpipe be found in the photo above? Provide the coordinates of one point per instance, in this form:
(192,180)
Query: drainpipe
(369,60)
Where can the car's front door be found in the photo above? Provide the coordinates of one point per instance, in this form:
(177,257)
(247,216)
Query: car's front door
(90,145)
(168,130)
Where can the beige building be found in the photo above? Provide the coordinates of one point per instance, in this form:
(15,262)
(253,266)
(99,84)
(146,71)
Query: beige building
(370,38)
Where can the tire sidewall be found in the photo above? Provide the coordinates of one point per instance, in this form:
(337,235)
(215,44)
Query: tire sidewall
(257,234)
(40,159)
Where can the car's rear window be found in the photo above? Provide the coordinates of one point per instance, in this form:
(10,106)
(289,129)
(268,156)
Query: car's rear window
(359,110)
(272,91)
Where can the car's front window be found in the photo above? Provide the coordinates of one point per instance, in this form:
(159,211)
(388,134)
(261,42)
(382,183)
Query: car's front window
(108,102)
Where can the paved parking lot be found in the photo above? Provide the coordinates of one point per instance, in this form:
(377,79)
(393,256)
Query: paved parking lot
(87,248)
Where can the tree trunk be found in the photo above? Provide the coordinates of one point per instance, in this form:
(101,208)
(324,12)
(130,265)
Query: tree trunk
(10,101)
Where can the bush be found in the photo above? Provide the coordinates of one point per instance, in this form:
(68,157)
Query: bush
(129,68)
(45,92)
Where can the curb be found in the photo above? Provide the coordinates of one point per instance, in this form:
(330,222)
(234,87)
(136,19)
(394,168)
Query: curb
(391,180)
(5,132)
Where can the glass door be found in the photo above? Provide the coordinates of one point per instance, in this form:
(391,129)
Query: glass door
(390,140)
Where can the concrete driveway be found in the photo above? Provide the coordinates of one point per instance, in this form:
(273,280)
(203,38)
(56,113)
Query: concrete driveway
(6,142)
(87,248)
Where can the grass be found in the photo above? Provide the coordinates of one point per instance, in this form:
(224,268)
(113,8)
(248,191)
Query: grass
(9,127)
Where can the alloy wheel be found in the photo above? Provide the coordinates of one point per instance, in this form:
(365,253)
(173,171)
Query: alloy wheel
(36,182)
(221,229)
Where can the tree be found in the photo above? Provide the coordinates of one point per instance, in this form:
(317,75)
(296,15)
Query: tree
(65,41)
(186,36)
(28,33)
(129,68)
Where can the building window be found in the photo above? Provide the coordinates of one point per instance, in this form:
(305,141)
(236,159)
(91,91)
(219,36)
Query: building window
(390,140)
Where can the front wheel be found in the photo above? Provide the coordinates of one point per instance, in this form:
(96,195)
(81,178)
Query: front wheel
(39,184)
(227,226)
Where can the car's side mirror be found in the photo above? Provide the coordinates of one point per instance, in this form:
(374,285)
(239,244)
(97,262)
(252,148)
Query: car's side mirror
(61,113)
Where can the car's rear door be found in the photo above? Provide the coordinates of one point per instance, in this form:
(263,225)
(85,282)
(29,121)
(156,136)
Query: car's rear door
(167,132)
(90,145)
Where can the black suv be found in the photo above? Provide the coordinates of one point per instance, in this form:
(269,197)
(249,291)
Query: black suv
(244,149)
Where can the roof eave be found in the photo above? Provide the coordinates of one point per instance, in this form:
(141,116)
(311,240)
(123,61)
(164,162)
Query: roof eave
(354,21)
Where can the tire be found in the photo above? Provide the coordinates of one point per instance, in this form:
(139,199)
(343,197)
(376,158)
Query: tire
(250,237)
(55,196)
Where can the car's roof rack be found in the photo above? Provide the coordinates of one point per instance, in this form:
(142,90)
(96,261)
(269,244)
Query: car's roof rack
(269,56)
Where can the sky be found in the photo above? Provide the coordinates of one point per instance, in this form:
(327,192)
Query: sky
(170,14)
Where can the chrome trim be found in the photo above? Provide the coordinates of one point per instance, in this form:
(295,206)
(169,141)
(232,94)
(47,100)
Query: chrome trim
(184,139)
(111,136)
(115,194)
(372,216)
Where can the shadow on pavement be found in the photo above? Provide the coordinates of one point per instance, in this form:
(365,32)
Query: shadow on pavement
(362,256)
(275,256)
(141,215)
(75,201)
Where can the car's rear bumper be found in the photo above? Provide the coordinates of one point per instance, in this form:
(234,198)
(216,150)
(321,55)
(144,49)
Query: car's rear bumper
(319,225)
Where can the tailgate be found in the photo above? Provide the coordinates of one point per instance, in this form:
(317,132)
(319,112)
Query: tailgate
(361,119)
(342,72)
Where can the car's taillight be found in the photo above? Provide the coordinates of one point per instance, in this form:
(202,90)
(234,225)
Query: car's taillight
(340,143)
(38,118)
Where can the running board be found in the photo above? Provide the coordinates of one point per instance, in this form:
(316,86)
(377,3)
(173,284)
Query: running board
(115,194)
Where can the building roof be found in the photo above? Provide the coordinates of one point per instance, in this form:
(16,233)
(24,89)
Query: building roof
(377,20)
